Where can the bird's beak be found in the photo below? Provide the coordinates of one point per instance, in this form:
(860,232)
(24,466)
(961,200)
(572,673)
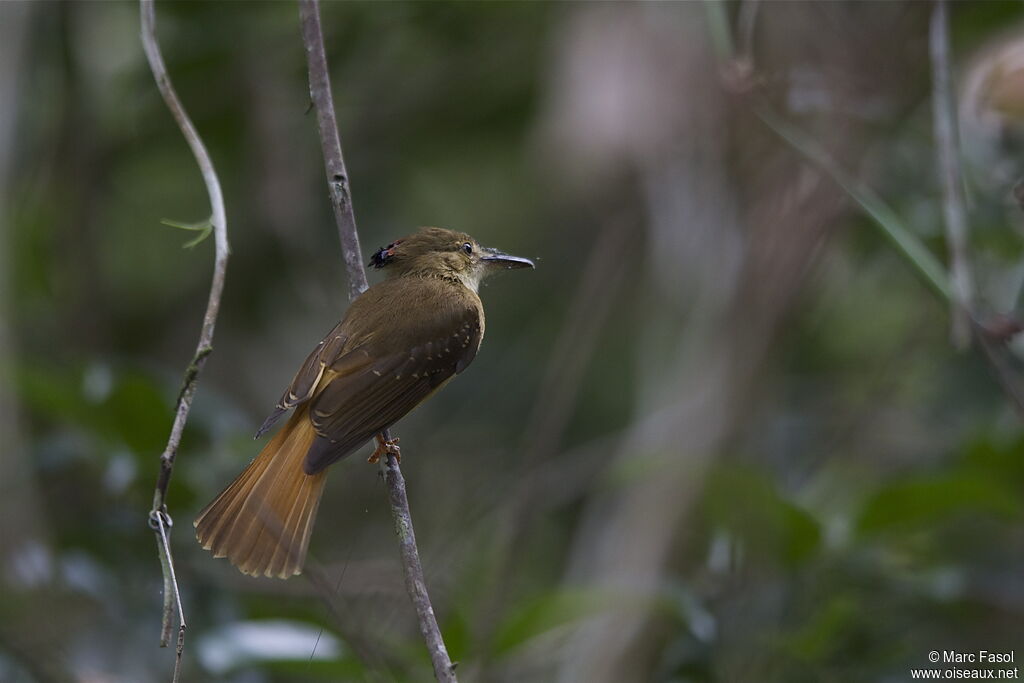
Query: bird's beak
(507,261)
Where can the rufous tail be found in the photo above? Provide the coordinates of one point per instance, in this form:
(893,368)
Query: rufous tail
(262,521)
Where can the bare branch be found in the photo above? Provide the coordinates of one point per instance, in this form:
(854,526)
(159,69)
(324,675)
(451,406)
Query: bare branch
(948,152)
(334,162)
(746,23)
(415,584)
(341,200)
(159,519)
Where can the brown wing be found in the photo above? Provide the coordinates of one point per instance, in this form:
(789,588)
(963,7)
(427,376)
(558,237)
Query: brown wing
(363,397)
(308,377)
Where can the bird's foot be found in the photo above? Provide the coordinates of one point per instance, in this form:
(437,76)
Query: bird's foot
(385,447)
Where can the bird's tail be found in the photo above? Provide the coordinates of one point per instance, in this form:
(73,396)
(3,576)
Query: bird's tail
(262,521)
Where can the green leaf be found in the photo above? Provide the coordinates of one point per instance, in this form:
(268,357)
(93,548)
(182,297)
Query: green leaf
(822,635)
(549,611)
(746,502)
(458,634)
(134,412)
(924,501)
(203,227)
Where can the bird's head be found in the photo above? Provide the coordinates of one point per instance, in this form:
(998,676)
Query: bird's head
(438,252)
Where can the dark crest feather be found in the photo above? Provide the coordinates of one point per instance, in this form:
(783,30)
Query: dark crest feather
(384,255)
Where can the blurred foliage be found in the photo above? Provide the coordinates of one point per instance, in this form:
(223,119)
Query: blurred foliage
(866,510)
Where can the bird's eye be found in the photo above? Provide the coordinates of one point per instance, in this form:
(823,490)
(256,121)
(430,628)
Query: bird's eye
(467,247)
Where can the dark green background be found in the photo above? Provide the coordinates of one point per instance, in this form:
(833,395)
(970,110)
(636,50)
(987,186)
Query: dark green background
(722,420)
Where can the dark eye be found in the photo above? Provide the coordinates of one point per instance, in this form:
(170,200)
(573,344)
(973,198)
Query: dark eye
(467,247)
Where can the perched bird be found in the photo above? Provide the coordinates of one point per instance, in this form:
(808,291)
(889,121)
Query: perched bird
(399,342)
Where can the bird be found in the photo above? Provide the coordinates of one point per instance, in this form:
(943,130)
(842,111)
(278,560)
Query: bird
(398,343)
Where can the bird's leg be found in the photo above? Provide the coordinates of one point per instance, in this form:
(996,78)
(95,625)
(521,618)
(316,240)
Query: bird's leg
(385,447)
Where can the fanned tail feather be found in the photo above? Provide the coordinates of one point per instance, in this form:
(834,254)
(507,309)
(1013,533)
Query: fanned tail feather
(262,521)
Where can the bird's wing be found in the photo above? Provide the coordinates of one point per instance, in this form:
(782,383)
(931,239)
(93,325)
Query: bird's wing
(365,395)
(309,375)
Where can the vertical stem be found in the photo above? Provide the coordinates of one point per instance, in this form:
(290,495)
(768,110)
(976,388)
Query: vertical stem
(334,162)
(170,584)
(415,584)
(341,200)
(948,153)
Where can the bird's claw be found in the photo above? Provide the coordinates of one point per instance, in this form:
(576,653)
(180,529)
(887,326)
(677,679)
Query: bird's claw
(385,447)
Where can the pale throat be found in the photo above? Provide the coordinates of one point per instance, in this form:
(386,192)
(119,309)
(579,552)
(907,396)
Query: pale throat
(471,279)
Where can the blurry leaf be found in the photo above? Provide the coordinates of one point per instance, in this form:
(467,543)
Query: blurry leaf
(134,412)
(1001,458)
(546,612)
(345,668)
(976,22)
(54,394)
(204,228)
(999,240)
(457,633)
(823,633)
(138,412)
(692,611)
(746,503)
(927,500)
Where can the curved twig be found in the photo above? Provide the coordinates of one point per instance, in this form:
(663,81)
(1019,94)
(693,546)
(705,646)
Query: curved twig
(341,200)
(160,521)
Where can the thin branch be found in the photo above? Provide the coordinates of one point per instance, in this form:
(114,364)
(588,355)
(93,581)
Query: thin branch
(159,519)
(955,288)
(341,200)
(415,584)
(948,152)
(884,216)
(746,22)
(162,522)
(334,162)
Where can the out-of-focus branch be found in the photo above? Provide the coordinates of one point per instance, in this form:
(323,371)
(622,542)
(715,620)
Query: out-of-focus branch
(955,288)
(341,199)
(1008,379)
(885,218)
(35,638)
(572,352)
(159,520)
(22,521)
(746,22)
(948,151)
(990,333)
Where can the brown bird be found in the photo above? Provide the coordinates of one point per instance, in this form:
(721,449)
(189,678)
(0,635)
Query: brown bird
(399,342)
